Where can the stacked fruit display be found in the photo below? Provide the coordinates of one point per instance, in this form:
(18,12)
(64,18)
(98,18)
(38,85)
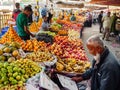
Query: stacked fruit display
(40,56)
(33,27)
(80,19)
(33,45)
(10,36)
(63,32)
(11,74)
(29,68)
(65,48)
(73,34)
(72,65)
(70,25)
(17,72)
(55,27)
(10,52)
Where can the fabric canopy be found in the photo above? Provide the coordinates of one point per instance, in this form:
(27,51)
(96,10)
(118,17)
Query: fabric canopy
(106,2)
(70,4)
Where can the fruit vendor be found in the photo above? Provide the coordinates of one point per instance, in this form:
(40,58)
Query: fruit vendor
(45,25)
(105,71)
(73,18)
(22,24)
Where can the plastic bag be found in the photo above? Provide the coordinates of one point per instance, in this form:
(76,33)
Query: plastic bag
(67,82)
(47,83)
(50,63)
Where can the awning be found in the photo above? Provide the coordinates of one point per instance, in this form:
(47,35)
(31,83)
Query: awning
(106,2)
(70,4)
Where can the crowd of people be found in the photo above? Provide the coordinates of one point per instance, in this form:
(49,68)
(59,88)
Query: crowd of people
(107,22)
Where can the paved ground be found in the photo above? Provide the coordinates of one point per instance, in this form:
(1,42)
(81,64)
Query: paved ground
(112,44)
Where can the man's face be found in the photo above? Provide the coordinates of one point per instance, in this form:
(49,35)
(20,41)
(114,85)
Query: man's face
(92,49)
(108,13)
(45,19)
(28,13)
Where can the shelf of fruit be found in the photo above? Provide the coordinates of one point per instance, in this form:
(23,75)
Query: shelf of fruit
(72,65)
(67,48)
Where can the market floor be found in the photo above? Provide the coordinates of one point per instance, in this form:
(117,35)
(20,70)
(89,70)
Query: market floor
(113,45)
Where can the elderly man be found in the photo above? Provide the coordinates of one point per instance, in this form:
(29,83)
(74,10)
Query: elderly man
(105,71)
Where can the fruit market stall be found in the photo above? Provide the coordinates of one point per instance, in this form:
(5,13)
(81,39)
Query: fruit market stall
(22,63)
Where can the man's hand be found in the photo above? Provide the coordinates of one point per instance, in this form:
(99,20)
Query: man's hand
(77,79)
(32,35)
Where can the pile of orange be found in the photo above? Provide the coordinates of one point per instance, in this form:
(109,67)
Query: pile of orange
(10,36)
(33,45)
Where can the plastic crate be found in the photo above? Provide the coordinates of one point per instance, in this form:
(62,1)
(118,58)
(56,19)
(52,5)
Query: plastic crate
(5,29)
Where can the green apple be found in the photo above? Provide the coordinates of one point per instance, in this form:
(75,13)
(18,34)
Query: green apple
(18,78)
(20,83)
(11,79)
(23,71)
(6,82)
(15,74)
(13,82)
(10,74)
(15,69)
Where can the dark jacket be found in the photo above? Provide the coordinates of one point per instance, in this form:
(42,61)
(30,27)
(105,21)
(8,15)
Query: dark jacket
(100,16)
(106,74)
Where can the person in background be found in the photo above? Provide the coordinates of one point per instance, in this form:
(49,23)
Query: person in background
(94,17)
(30,18)
(73,18)
(36,14)
(45,25)
(100,16)
(22,24)
(113,24)
(44,11)
(16,11)
(105,71)
(106,25)
(50,15)
(89,19)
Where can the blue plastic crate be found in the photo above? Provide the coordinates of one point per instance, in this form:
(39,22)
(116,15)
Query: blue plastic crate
(5,29)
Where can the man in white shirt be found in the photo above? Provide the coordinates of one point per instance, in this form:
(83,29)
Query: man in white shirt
(106,25)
